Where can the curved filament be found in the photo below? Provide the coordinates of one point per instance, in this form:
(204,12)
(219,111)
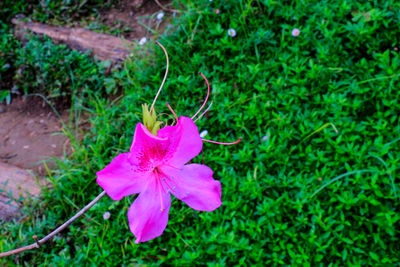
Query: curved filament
(220,143)
(165,76)
(160,187)
(205,111)
(173,112)
(208,93)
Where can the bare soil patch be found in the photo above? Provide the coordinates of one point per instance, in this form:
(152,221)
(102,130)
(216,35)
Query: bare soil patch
(30,133)
(132,13)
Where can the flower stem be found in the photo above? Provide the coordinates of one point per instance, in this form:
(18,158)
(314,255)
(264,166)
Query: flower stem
(52,234)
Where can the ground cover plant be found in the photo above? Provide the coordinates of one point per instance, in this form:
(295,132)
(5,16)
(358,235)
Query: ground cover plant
(58,11)
(60,74)
(314,180)
(37,66)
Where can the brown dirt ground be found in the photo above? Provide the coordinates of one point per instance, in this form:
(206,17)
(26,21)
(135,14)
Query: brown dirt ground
(130,12)
(30,134)
(29,129)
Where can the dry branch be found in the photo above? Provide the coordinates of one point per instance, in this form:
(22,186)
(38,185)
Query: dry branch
(104,46)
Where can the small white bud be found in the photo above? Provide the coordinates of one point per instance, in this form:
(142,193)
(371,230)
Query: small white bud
(203,133)
(142,41)
(106,215)
(160,15)
(232,32)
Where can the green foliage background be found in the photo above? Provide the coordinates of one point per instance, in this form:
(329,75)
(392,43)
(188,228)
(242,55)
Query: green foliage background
(314,181)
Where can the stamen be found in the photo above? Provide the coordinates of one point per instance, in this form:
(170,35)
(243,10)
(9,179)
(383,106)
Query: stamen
(161,200)
(173,112)
(220,143)
(169,179)
(202,114)
(159,185)
(172,167)
(208,93)
(165,76)
(169,186)
(169,116)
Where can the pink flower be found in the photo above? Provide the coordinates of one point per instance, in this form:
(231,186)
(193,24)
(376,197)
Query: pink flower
(295,32)
(156,167)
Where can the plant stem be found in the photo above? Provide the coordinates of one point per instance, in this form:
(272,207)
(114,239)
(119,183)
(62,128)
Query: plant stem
(59,229)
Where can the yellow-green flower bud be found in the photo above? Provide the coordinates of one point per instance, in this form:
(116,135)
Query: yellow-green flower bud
(150,119)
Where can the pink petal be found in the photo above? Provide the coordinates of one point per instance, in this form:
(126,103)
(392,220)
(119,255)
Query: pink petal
(146,219)
(147,150)
(120,179)
(194,185)
(185,141)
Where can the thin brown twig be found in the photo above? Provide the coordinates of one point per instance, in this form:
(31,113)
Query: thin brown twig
(52,234)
